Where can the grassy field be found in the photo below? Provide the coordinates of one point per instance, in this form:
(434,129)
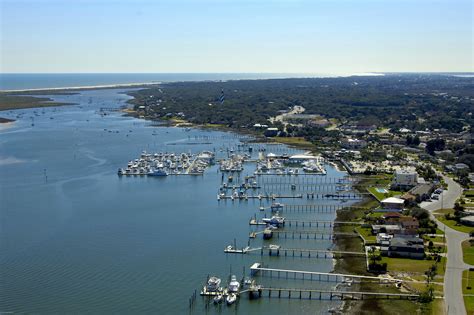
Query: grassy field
(468,252)
(380,196)
(299,142)
(452,223)
(455,226)
(8,102)
(411,265)
(468,282)
(366,233)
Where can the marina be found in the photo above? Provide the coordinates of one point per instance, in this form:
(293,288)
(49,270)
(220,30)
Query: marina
(76,227)
(164,164)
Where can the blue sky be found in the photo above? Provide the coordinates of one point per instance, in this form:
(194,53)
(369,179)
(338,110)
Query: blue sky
(292,36)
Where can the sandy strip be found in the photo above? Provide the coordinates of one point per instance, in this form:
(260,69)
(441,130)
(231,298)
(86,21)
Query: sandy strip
(5,126)
(124,85)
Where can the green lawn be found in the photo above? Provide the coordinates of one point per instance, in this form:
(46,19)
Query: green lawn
(381,196)
(411,265)
(468,281)
(366,233)
(434,239)
(454,225)
(468,252)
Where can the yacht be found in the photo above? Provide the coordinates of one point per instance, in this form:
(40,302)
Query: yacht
(234,285)
(213,284)
(274,220)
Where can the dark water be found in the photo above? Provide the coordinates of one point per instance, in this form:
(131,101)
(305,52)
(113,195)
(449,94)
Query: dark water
(18,81)
(85,240)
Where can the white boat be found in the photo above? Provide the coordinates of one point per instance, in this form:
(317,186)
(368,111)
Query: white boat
(213,284)
(218,298)
(274,220)
(234,285)
(231,298)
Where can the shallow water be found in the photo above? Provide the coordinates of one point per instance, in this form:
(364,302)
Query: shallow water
(75,237)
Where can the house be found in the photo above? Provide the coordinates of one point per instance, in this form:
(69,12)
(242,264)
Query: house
(468,220)
(300,158)
(271,132)
(383,239)
(410,225)
(404,179)
(392,204)
(408,247)
(352,144)
(422,192)
(386,228)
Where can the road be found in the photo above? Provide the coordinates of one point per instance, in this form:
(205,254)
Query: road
(453,296)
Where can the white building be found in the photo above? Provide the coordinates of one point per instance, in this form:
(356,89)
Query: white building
(350,143)
(392,204)
(405,179)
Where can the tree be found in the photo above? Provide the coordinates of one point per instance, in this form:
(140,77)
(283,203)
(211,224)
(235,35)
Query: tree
(435,145)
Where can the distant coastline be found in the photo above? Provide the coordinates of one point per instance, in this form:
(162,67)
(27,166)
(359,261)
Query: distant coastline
(79,88)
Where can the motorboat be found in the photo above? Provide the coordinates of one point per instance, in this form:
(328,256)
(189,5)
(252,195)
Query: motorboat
(218,298)
(157,173)
(231,298)
(274,220)
(213,284)
(234,285)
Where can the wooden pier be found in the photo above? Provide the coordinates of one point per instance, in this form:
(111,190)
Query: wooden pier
(305,223)
(306,252)
(312,208)
(261,197)
(314,275)
(313,235)
(294,252)
(312,294)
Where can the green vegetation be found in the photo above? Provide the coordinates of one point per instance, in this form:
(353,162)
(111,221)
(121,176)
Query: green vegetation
(447,217)
(403,100)
(366,234)
(380,196)
(298,142)
(468,252)
(411,265)
(468,290)
(16,102)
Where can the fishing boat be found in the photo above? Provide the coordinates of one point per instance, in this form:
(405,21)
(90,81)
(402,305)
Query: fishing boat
(231,298)
(234,285)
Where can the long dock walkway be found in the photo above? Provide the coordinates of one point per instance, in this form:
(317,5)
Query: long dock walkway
(314,275)
(331,294)
(311,208)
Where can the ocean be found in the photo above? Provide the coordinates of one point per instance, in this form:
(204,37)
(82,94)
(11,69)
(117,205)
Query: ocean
(21,81)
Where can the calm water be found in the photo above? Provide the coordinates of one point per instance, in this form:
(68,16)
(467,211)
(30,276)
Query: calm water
(18,81)
(85,240)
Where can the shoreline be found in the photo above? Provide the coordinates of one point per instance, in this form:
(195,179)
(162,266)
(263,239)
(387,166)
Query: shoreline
(7,125)
(87,87)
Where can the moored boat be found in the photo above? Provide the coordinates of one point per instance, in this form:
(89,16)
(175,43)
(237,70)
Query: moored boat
(234,285)
(213,284)
(231,298)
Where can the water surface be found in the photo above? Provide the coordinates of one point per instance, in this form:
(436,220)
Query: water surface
(77,238)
